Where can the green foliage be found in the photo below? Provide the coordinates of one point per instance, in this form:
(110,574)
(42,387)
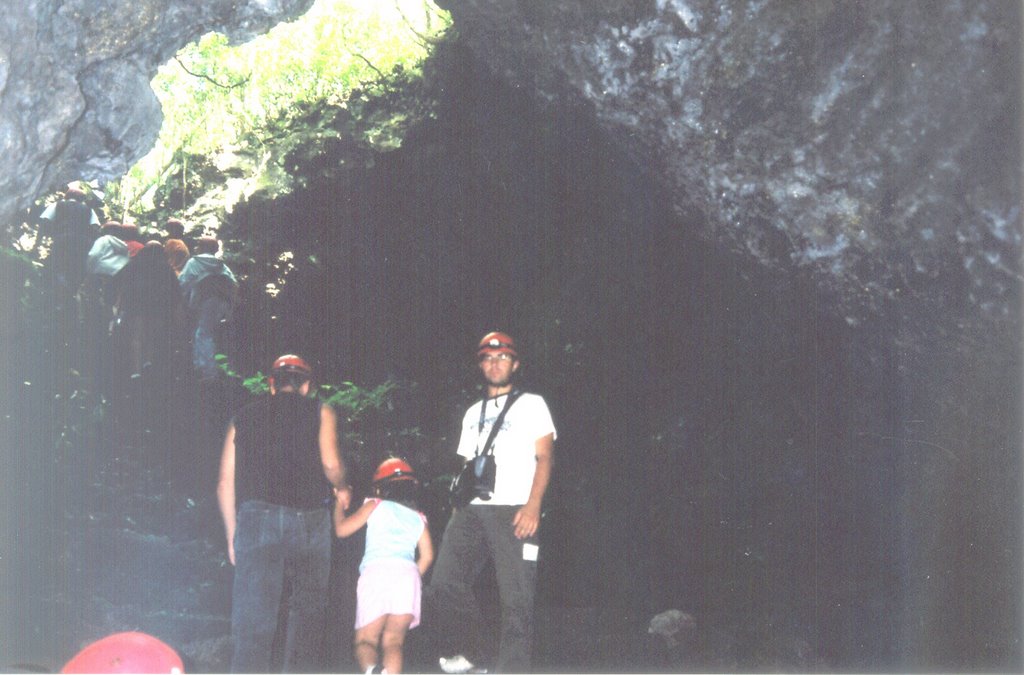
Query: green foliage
(79,411)
(18,275)
(355,401)
(218,98)
(37,327)
(254,384)
(366,409)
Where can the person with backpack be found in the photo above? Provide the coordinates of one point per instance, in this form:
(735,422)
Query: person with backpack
(71,225)
(507,439)
(398,553)
(149,305)
(210,290)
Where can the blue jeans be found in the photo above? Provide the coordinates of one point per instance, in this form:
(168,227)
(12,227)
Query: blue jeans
(474,534)
(212,312)
(275,548)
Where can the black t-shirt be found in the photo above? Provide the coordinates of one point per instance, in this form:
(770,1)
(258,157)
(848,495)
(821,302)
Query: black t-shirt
(277,452)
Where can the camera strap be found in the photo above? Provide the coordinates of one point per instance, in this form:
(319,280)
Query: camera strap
(488,449)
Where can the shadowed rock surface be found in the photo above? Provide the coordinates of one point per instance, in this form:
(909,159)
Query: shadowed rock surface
(871,145)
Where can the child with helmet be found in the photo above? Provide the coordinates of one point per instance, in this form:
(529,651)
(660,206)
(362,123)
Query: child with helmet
(398,553)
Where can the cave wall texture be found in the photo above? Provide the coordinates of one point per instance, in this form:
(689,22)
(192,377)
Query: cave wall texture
(871,145)
(870,150)
(874,145)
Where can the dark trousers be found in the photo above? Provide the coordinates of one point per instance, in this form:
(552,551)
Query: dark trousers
(277,548)
(473,535)
(205,342)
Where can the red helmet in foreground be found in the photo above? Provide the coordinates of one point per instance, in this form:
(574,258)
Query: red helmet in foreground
(394,469)
(497,343)
(125,653)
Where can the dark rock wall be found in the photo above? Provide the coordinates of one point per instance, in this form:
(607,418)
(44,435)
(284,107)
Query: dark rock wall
(873,145)
(870,151)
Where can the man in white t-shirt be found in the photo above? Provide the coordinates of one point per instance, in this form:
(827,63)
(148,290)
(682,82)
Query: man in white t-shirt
(503,528)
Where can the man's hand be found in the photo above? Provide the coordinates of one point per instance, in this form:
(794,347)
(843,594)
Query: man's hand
(526,521)
(344,496)
(231,552)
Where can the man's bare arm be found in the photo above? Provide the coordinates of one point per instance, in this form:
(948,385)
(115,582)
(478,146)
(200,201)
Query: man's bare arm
(527,519)
(334,466)
(226,490)
(330,455)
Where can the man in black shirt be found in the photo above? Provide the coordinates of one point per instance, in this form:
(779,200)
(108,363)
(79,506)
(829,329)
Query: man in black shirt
(279,464)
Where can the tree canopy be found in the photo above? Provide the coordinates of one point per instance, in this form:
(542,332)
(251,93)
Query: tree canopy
(215,94)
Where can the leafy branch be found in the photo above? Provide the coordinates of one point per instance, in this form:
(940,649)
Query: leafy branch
(206,77)
(367,62)
(425,41)
(214,94)
(356,401)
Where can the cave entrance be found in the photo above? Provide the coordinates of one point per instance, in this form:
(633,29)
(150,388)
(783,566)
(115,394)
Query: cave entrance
(227,107)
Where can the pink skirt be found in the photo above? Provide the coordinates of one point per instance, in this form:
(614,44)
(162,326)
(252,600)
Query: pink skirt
(388,587)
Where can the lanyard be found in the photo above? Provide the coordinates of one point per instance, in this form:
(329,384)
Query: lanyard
(512,396)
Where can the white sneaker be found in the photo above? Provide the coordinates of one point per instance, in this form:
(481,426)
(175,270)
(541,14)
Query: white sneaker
(457,664)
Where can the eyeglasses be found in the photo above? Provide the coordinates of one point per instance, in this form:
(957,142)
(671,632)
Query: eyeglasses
(489,358)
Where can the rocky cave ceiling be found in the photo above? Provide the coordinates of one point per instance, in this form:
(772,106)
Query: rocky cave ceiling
(871,145)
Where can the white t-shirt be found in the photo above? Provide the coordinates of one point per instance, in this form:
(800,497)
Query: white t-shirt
(514,446)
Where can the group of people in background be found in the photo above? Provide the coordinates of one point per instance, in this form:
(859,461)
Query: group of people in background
(281,469)
(144,289)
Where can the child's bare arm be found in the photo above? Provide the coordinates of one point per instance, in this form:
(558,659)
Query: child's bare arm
(425,548)
(350,524)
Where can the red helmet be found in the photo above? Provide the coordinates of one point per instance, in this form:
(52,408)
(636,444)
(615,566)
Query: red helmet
(497,343)
(125,653)
(290,363)
(289,370)
(393,469)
